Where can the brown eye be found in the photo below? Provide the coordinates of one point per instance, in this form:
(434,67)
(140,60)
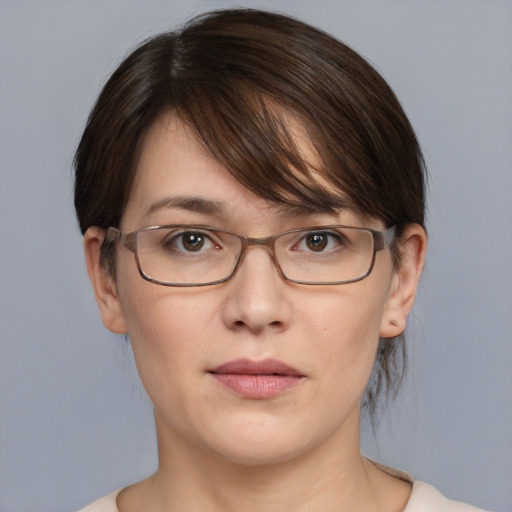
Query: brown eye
(192,241)
(317,241)
(188,242)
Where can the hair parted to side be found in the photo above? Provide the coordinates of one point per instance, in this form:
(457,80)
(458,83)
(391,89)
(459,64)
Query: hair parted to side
(237,78)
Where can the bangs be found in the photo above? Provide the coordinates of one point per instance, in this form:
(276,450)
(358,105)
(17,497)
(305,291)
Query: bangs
(263,145)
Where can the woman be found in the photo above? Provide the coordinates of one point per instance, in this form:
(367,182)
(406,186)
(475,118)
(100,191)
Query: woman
(252,201)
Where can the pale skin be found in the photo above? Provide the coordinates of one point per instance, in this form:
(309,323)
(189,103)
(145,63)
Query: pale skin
(218,451)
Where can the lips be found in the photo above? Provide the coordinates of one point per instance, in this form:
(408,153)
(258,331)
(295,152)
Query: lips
(257,379)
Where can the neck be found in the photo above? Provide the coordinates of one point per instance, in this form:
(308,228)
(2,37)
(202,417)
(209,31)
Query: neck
(331,477)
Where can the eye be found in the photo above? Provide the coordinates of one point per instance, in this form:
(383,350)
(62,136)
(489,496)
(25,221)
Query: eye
(320,241)
(190,241)
(317,241)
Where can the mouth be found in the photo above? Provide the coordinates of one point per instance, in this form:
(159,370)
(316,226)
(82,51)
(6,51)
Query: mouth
(257,379)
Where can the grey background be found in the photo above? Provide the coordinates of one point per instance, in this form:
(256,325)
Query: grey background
(74,420)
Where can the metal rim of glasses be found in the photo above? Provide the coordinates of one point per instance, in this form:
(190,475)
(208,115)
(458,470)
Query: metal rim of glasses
(381,240)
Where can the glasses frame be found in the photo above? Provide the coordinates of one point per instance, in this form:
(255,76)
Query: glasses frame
(381,240)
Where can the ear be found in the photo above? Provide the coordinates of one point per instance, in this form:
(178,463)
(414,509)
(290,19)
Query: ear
(412,247)
(103,282)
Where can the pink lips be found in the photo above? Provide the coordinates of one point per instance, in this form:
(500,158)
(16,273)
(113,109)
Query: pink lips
(257,379)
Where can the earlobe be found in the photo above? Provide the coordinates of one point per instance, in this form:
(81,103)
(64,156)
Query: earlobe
(103,282)
(413,248)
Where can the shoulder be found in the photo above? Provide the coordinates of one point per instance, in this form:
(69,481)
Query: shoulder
(425,498)
(105,504)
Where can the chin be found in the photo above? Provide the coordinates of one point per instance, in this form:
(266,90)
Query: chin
(260,445)
(264,456)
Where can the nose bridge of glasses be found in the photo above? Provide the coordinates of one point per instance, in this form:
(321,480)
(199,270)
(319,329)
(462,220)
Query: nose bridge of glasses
(266,243)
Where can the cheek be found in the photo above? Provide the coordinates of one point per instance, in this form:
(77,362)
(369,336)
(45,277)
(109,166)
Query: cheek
(154,314)
(168,330)
(344,327)
(167,324)
(345,315)
(162,320)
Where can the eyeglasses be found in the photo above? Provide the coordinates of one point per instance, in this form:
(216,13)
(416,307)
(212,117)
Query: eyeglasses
(184,255)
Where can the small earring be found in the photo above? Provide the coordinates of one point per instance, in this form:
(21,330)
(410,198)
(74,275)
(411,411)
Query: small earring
(393,322)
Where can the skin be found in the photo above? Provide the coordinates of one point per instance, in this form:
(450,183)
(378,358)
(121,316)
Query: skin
(218,450)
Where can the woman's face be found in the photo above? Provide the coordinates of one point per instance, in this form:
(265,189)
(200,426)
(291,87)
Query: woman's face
(195,346)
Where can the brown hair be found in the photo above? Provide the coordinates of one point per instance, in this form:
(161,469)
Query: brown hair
(236,77)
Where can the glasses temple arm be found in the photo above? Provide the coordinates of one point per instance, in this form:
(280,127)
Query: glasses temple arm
(383,239)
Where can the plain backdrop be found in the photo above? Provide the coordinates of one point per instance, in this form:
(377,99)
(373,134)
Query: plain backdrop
(75,423)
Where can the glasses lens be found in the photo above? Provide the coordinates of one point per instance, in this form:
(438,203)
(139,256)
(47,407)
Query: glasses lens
(327,255)
(186,255)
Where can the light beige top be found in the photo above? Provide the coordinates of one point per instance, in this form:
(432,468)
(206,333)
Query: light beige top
(424,498)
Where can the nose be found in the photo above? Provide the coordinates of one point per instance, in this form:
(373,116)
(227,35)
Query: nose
(257,295)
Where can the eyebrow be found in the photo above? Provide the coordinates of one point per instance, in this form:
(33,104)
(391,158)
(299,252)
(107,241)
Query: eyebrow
(211,207)
(190,203)
(304,209)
